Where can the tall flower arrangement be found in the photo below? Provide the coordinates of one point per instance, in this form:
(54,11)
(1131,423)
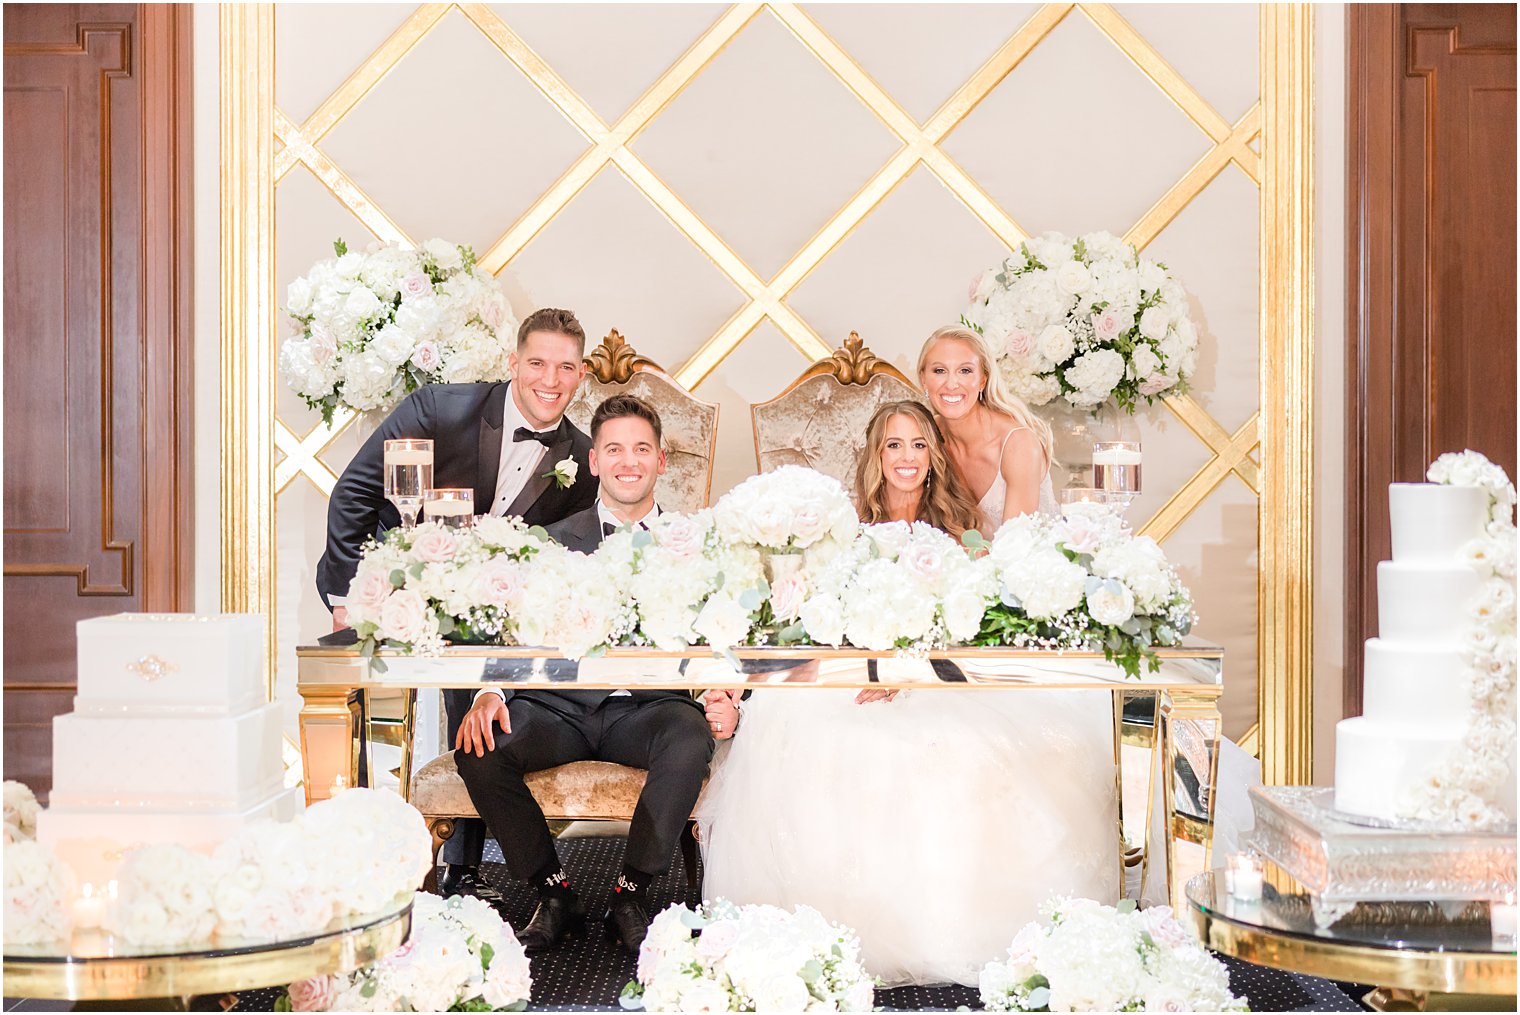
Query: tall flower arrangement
(1464,790)
(1090,957)
(723,957)
(1087,320)
(1084,581)
(373,327)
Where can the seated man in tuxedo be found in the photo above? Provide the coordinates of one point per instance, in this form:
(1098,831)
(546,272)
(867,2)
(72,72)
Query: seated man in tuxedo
(501,439)
(664,732)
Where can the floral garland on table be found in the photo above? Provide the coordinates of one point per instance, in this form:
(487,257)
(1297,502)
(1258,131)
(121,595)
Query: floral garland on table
(37,887)
(1091,957)
(1463,791)
(723,957)
(1088,320)
(373,327)
(460,956)
(1084,581)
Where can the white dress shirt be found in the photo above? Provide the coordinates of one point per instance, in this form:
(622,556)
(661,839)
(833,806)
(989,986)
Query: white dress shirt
(605,516)
(519,459)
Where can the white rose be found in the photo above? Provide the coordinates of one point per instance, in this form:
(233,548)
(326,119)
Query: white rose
(722,622)
(361,303)
(1143,362)
(823,618)
(1153,323)
(1056,343)
(445,255)
(705,995)
(298,297)
(404,616)
(717,938)
(1110,602)
(1073,277)
(393,345)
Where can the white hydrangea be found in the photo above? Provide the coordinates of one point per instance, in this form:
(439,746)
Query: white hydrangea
(37,890)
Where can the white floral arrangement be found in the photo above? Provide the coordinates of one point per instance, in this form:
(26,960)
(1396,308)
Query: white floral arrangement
(460,956)
(1084,581)
(21,809)
(356,854)
(786,510)
(37,892)
(908,587)
(1087,320)
(1090,957)
(685,586)
(573,602)
(373,327)
(723,957)
(419,586)
(1465,790)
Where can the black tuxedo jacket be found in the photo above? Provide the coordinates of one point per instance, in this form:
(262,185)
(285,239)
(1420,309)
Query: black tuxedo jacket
(465,422)
(582,532)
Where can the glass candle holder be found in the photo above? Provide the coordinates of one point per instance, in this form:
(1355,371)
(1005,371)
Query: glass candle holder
(408,475)
(453,508)
(1116,466)
(1243,878)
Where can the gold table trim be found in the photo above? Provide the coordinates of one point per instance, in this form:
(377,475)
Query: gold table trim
(129,977)
(1413,969)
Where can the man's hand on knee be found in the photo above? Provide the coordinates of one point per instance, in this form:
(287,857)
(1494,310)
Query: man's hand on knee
(475,733)
(722,710)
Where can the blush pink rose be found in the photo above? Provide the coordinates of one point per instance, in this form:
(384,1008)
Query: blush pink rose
(427,358)
(414,285)
(315,994)
(1020,343)
(369,590)
(681,536)
(1108,324)
(434,546)
(494,314)
(925,563)
(404,616)
(500,583)
(787,596)
(323,346)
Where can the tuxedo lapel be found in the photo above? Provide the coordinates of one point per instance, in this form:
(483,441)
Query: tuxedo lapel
(539,481)
(490,449)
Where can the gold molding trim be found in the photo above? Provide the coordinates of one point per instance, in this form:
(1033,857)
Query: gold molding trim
(1285,596)
(614,361)
(851,363)
(247,313)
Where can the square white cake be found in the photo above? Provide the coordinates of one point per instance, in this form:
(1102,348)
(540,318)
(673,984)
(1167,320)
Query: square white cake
(150,662)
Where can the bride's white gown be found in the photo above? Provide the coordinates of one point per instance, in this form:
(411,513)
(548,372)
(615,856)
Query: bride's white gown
(934,825)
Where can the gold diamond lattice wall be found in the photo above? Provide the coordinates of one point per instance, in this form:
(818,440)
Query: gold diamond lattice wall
(920,143)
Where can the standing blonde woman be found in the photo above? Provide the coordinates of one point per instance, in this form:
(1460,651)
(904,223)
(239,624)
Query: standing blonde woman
(1001,449)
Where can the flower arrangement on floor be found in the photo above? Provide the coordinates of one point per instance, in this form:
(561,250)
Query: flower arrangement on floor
(723,957)
(1084,580)
(1464,791)
(726,578)
(1087,320)
(37,887)
(373,327)
(460,956)
(1091,957)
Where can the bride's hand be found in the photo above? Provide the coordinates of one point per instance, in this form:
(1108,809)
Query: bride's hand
(874,694)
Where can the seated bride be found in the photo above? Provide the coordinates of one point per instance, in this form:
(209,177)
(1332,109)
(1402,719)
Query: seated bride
(933,823)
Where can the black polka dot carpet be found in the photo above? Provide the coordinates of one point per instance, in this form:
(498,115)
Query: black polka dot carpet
(588,972)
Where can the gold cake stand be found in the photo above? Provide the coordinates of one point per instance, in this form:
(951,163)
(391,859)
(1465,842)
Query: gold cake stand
(1420,956)
(98,968)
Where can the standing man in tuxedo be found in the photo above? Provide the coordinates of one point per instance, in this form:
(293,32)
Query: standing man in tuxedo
(510,733)
(504,440)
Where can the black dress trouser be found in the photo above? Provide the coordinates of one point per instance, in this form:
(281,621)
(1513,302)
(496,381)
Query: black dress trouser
(665,735)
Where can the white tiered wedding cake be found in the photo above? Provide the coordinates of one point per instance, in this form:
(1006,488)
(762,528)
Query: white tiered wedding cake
(172,739)
(1426,709)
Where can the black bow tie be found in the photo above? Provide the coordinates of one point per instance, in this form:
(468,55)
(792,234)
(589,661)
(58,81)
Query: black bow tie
(608,528)
(544,437)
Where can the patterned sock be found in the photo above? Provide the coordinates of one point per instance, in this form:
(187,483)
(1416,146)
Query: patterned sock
(553,881)
(633,884)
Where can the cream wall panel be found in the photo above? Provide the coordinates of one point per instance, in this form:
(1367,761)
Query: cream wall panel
(1213,246)
(629,49)
(1213,46)
(758,370)
(1076,138)
(317,46)
(299,616)
(766,145)
(614,259)
(903,272)
(920,53)
(455,141)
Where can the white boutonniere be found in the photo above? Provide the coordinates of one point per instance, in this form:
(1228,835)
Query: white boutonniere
(563,474)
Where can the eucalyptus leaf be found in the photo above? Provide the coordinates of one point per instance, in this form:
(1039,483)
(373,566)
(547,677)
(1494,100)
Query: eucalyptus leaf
(642,538)
(397,578)
(1038,999)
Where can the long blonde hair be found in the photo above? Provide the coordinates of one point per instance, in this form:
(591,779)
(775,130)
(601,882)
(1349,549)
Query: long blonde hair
(945,503)
(995,395)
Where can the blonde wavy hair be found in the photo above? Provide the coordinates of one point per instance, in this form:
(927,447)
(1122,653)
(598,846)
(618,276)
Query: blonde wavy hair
(946,504)
(995,394)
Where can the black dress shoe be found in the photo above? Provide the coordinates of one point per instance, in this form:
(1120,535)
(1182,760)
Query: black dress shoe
(556,918)
(628,922)
(459,879)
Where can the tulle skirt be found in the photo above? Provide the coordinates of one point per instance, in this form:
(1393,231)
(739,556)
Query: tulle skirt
(934,825)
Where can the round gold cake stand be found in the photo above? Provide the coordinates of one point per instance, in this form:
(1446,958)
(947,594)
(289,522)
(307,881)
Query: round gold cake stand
(1420,959)
(97,969)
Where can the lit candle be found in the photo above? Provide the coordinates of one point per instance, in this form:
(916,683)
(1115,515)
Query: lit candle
(1243,878)
(339,784)
(1117,456)
(1501,918)
(89,909)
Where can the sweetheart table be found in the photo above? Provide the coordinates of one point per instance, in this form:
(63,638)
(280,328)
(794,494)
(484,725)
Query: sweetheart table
(1174,711)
